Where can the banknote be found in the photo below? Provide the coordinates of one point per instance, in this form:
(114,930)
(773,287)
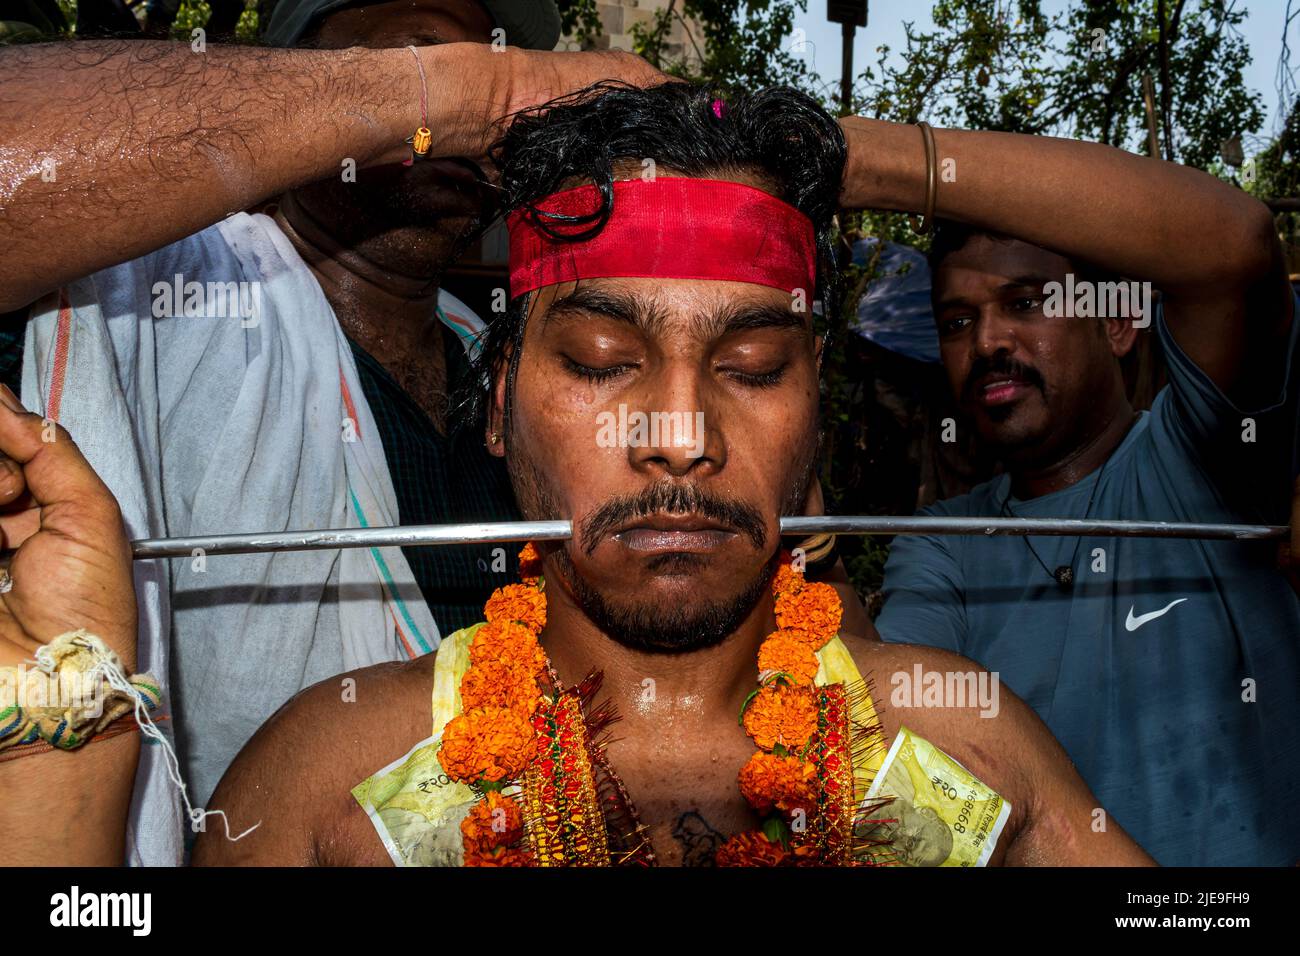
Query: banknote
(940,815)
(416,808)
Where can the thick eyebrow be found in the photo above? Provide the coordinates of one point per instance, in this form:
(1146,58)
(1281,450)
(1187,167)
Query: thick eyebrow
(650,319)
(744,318)
(620,306)
(1018,282)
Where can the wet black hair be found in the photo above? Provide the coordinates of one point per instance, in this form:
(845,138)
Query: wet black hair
(778,138)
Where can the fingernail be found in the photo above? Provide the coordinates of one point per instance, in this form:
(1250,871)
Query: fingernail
(10,399)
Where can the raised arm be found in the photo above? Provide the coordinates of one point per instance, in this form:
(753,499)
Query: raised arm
(116,148)
(1207,246)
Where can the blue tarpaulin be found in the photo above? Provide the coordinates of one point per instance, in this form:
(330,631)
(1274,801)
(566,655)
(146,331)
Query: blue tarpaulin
(895,313)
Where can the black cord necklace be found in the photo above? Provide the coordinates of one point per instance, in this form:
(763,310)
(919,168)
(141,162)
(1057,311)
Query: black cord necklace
(1064,575)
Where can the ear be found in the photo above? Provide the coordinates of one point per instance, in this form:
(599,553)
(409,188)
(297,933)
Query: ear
(1121,334)
(496,413)
(819,342)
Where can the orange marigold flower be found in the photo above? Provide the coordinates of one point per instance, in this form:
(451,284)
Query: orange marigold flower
(791,654)
(815,608)
(488,743)
(784,783)
(497,856)
(786,579)
(785,715)
(530,564)
(495,821)
(498,683)
(802,637)
(804,855)
(750,848)
(518,603)
(510,644)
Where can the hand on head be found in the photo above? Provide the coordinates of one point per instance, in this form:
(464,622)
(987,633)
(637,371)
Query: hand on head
(514,80)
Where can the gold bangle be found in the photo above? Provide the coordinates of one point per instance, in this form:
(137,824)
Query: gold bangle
(922,226)
(422,140)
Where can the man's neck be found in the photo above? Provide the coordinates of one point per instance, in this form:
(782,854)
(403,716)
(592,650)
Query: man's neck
(391,316)
(1079,461)
(657,693)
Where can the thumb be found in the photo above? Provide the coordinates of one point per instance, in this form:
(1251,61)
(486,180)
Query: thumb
(54,469)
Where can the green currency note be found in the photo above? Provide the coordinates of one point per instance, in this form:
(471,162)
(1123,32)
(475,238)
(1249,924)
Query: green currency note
(416,808)
(939,814)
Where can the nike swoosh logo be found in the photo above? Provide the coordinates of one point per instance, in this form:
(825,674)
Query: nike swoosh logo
(1133,623)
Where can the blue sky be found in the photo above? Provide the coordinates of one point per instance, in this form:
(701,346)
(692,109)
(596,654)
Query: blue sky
(1263,32)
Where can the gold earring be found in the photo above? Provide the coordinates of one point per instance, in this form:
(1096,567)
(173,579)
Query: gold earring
(494,438)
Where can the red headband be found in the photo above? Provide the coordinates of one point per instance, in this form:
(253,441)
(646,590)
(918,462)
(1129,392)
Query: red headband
(668,228)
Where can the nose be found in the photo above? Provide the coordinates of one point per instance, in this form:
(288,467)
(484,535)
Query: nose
(994,333)
(683,435)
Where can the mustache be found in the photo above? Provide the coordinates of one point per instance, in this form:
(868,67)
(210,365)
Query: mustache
(669,497)
(1002,364)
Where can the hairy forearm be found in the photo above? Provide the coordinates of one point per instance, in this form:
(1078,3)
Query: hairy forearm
(68,809)
(115,148)
(1136,216)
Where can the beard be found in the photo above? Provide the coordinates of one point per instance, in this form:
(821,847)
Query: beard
(681,627)
(650,625)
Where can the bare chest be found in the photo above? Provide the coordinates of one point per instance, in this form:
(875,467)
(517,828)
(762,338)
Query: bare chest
(688,802)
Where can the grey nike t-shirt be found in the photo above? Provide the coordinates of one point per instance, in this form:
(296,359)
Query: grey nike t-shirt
(1171,671)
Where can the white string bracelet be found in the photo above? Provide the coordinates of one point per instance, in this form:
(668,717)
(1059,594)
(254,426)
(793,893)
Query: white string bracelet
(86,663)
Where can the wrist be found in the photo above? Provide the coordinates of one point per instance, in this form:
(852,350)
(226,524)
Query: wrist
(466,82)
(886,166)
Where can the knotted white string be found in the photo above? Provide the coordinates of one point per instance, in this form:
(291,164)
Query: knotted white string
(106,666)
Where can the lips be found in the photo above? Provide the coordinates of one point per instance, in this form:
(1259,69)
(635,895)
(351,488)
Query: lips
(660,534)
(1000,389)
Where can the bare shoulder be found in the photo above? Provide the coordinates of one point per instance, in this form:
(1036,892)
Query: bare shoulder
(294,778)
(968,713)
(956,705)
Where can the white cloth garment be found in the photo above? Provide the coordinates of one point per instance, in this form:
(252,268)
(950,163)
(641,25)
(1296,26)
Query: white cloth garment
(223,409)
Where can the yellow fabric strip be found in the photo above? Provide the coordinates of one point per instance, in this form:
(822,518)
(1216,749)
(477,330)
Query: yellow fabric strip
(449,667)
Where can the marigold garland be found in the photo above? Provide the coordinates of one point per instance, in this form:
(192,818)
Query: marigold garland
(497,856)
(494,822)
(787,784)
(530,564)
(499,683)
(781,714)
(508,643)
(487,744)
(781,717)
(517,603)
(789,654)
(813,608)
(494,739)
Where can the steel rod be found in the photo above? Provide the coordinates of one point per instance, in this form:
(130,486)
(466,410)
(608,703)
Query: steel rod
(870,524)
(508,531)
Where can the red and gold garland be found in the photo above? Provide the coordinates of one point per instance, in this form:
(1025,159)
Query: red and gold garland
(516,726)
